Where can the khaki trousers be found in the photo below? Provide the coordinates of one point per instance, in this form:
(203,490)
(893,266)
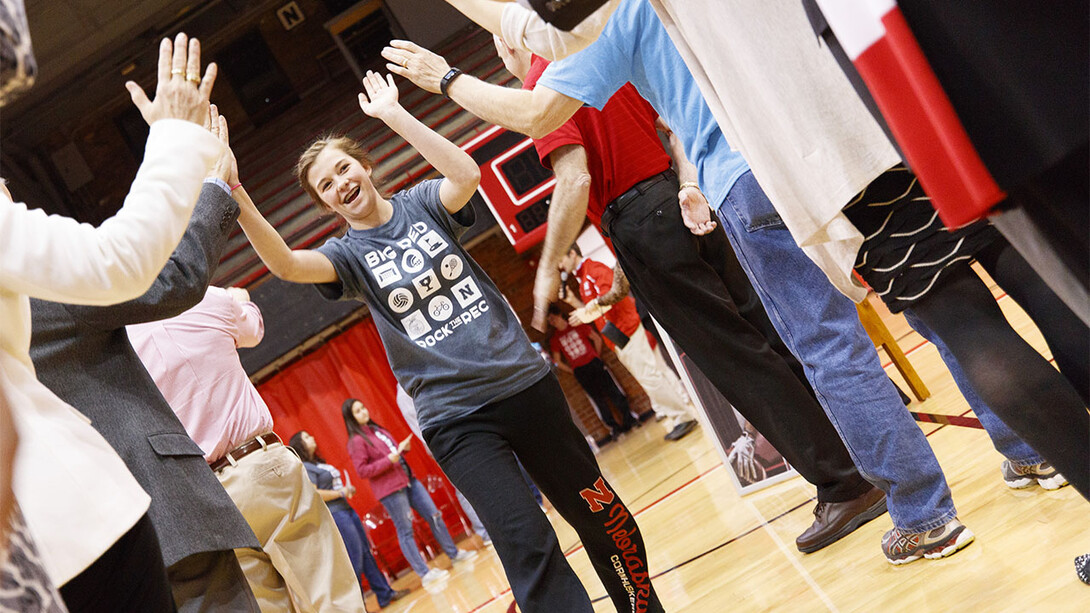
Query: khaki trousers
(655,377)
(303,566)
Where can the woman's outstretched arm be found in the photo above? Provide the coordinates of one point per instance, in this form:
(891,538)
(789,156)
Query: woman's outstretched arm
(460,173)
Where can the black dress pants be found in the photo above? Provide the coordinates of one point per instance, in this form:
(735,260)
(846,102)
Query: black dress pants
(698,292)
(480,454)
(601,387)
(130,576)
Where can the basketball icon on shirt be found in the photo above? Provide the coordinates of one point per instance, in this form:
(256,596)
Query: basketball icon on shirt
(451,268)
(441,308)
(400,300)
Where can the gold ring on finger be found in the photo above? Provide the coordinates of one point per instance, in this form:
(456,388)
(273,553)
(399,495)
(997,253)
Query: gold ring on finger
(196,78)
(177,71)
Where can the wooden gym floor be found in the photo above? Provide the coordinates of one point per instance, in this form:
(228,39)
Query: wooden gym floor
(712,550)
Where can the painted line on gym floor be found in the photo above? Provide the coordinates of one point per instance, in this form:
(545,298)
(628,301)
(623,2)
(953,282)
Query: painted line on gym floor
(637,514)
(946,420)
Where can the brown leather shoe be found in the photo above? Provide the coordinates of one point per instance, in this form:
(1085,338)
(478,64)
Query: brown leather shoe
(835,520)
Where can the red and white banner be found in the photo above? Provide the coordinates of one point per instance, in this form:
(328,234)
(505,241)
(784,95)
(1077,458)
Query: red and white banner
(883,49)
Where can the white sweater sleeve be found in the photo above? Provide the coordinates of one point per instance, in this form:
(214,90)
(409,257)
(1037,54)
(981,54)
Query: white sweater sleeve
(56,258)
(522,28)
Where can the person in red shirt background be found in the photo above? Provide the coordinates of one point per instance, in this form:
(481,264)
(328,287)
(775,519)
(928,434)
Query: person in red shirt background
(614,313)
(580,347)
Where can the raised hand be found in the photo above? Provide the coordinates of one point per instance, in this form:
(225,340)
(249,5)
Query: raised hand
(226,167)
(695,212)
(380,97)
(181,92)
(415,63)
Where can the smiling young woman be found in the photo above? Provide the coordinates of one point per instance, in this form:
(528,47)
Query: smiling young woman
(483,394)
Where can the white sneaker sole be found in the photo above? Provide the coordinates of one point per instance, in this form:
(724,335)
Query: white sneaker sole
(1054,482)
(1020,483)
(963,540)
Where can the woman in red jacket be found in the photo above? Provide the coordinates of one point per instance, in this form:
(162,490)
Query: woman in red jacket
(377,457)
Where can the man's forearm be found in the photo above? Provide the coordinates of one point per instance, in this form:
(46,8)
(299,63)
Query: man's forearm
(486,13)
(567,211)
(527,112)
(618,290)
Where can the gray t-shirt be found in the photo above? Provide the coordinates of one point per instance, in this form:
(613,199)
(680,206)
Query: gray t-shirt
(452,340)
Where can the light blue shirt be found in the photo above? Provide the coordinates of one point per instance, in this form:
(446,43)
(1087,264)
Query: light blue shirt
(634,47)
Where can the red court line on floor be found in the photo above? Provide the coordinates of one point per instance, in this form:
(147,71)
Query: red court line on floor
(942,420)
(946,420)
(636,514)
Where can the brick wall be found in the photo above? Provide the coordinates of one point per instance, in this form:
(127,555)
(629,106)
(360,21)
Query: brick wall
(513,274)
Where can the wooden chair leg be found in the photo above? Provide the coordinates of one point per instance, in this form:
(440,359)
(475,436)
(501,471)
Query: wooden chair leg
(882,337)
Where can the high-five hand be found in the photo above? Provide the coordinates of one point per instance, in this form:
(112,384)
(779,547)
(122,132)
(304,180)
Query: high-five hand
(226,168)
(380,97)
(424,68)
(181,92)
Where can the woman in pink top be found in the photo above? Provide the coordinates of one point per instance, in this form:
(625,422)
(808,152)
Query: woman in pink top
(377,457)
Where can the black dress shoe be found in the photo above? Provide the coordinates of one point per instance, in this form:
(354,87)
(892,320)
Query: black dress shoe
(680,430)
(398,595)
(835,520)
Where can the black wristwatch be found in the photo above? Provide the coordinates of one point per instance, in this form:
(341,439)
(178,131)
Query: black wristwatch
(444,83)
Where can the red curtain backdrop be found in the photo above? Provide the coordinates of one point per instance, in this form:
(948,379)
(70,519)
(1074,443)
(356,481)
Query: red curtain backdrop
(308,396)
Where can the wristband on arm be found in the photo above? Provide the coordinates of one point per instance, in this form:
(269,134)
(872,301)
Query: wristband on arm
(444,83)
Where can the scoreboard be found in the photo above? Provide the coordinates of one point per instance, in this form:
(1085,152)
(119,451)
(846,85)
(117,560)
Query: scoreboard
(514,184)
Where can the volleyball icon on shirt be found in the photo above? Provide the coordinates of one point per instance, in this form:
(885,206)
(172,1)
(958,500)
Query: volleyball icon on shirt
(451,267)
(400,300)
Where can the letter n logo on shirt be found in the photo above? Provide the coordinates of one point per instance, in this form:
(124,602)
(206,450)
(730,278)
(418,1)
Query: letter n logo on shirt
(598,497)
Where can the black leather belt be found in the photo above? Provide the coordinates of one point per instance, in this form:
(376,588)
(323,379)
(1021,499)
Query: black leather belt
(614,208)
(245,449)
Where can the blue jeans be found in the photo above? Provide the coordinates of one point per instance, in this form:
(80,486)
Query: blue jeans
(1003,438)
(821,327)
(359,551)
(398,506)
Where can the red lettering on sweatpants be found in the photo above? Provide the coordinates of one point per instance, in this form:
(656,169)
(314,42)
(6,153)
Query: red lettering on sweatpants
(598,497)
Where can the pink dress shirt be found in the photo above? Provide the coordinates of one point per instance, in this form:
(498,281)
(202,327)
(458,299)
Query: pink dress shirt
(194,362)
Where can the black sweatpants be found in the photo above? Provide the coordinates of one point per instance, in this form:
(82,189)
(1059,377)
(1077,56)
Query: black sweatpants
(478,453)
(698,292)
(601,387)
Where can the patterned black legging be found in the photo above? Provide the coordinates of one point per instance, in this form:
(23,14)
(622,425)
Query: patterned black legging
(1044,407)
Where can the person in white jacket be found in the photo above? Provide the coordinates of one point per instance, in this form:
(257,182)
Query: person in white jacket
(80,504)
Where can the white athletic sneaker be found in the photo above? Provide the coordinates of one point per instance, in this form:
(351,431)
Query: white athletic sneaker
(464,554)
(1018,477)
(434,575)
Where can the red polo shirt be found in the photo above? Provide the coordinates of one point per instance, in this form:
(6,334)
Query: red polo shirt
(622,145)
(574,343)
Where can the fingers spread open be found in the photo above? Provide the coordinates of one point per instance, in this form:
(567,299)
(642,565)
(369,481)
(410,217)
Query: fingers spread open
(193,61)
(224,136)
(407,45)
(177,64)
(208,81)
(139,98)
(166,51)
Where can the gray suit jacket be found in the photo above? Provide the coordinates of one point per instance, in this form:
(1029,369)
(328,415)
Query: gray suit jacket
(83,355)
